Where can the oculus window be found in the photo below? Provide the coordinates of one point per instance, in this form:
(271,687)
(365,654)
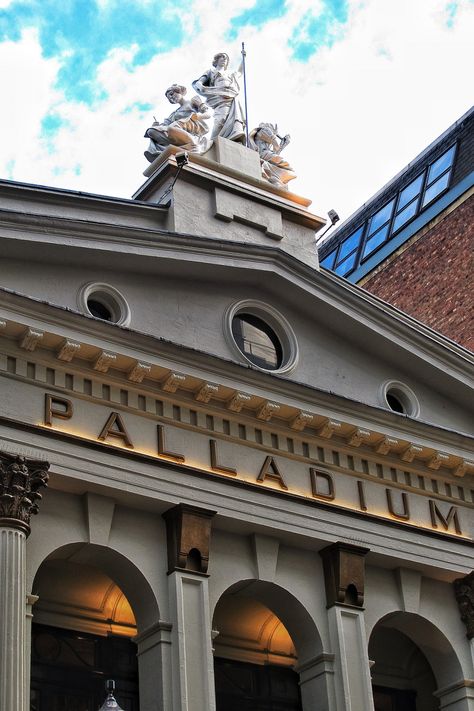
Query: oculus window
(260,336)
(104,302)
(257,341)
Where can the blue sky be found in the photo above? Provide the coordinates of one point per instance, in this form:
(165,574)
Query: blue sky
(350,80)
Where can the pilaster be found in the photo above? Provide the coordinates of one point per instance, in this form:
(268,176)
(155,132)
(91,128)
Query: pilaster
(154,667)
(344,574)
(188,533)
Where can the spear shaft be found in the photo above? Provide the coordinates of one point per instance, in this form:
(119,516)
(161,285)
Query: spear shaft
(244,54)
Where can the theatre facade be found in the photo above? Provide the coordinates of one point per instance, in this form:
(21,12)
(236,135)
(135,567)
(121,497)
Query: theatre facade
(229,480)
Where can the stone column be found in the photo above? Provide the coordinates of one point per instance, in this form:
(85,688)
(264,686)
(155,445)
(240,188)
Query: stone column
(154,667)
(188,532)
(317,683)
(344,581)
(457,697)
(20,481)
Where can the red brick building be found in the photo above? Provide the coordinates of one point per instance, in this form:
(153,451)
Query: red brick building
(412,244)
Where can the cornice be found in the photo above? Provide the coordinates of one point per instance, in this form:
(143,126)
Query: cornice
(229,387)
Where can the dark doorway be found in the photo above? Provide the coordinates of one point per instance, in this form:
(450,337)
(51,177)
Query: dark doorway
(393,699)
(69,670)
(252,687)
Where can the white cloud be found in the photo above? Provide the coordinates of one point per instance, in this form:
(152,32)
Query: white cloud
(357,112)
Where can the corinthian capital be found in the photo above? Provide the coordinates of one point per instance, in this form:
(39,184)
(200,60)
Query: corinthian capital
(20,481)
(464,591)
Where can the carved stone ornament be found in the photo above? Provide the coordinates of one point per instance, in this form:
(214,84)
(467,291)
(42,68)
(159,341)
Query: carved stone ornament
(464,591)
(188,530)
(20,481)
(344,574)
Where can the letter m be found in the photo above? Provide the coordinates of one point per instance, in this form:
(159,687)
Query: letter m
(437,516)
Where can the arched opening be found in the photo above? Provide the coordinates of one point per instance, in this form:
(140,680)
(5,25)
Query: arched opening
(261,633)
(83,629)
(412,660)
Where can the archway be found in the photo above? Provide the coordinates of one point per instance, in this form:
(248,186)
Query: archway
(262,635)
(412,660)
(91,600)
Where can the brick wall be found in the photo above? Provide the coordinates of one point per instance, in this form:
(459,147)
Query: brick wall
(433,278)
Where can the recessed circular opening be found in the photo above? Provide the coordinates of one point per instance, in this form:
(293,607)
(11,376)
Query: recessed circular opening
(260,336)
(104,302)
(400,398)
(257,341)
(395,403)
(99,310)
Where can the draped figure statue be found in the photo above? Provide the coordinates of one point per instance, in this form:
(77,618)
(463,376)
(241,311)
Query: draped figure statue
(185,128)
(269,144)
(221,89)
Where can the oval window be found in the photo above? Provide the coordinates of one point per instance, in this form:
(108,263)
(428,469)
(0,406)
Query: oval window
(257,341)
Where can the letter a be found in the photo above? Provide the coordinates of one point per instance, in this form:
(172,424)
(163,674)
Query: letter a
(114,427)
(270,470)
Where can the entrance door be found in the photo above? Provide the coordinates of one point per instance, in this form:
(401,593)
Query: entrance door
(386,699)
(252,687)
(69,670)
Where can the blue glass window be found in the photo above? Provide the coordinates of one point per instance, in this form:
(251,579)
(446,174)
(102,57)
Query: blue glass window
(328,262)
(410,192)
(349,244)
(405,215)
(346,266)
(441,165)
(375,241)
(436,188)
(381,217)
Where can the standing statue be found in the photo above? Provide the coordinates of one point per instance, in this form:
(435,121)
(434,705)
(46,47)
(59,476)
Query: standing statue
(185,128)
(269,144)
(221,90)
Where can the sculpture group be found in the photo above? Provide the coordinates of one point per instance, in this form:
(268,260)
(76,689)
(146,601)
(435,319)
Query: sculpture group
(217,97)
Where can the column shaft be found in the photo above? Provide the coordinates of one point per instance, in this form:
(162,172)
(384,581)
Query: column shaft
(13,682)
(352,673)
(193,662)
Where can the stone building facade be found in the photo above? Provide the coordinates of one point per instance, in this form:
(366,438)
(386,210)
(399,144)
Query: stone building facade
(208,493)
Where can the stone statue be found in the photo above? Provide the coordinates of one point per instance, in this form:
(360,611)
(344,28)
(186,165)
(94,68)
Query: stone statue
(269,144)
(185,128)
(221,90)
(464,591)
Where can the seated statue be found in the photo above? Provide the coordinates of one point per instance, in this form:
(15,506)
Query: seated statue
(269,144)
(185,128)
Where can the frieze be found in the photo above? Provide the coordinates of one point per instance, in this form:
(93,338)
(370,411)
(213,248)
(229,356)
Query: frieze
(365,494)
(20,481)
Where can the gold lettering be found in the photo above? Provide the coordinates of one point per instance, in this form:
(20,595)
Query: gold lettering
(406,508)
(270,470)
(115,427)
(51,403)
(362,501)
(315,476)
(162,451)
(215,465)
(445,521)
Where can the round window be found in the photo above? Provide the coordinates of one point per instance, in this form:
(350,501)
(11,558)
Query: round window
(104,302)
(257,341)
(400,398)
(260,336)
